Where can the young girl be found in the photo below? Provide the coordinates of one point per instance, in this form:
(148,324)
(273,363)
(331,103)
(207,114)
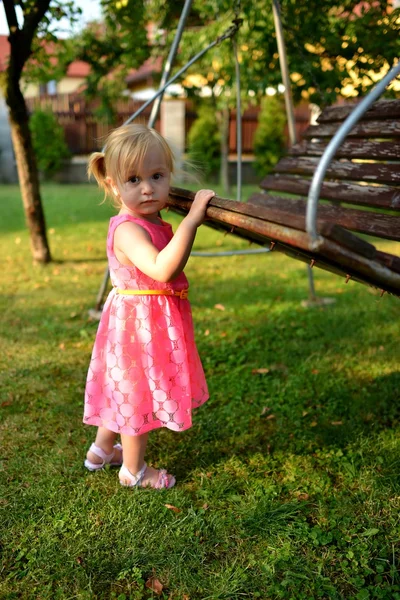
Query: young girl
(145,371)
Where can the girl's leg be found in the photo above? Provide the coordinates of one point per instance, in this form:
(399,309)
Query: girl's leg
(105,440)
(134,450)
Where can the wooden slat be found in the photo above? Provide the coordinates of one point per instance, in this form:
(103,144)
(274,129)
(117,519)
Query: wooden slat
(390,261)
(373,150)
(377,129)
(377,224)
(248,209)
(383,109)
(328,254)
(371,172)
(381,196)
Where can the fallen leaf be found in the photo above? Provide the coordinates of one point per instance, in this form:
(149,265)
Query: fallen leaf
(302,497)
(304,413)
(336,422)
(223,334)
(205,506)
(219,306)
(18,240)
(62,346)
(313,424)
(207,332)
(260,371)
(270,417)
(265,410)
(174,508)
(154,585)
(315,371)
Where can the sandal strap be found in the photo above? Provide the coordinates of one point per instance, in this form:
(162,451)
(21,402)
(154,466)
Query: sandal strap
(101,454)
(135,479)
(163,480)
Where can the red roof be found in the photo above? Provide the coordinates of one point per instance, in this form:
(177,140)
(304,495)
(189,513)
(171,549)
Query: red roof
(78,68)
(148,68)
(4,52)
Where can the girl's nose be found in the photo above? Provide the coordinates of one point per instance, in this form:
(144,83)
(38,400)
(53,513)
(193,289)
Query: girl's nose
(147,188)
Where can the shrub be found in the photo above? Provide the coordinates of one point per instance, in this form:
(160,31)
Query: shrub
(269,139)
(204,142)
(48,142)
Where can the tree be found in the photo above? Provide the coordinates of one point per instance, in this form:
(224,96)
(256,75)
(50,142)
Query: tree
(21,40)
(332,48)
(37,54)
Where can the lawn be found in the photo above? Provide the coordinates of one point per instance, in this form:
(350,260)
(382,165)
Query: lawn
(288,482)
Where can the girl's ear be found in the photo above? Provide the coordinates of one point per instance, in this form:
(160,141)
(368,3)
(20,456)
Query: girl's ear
(112,186)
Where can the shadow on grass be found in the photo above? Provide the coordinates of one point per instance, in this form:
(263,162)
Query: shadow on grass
(280,377)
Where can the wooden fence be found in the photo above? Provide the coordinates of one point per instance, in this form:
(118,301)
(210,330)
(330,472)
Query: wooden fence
(85,133)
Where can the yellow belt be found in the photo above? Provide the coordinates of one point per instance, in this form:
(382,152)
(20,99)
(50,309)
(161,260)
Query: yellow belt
(182,294)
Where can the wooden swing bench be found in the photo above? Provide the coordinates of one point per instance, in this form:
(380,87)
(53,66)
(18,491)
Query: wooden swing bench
(360,193)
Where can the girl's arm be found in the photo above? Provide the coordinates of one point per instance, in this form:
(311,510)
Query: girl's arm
(165,265)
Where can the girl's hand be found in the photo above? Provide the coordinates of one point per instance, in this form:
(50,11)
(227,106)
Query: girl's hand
(198,209)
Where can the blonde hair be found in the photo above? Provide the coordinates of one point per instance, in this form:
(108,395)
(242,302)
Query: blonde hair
(124,153)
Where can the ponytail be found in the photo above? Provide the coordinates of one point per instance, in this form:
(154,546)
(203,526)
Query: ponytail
(97,169)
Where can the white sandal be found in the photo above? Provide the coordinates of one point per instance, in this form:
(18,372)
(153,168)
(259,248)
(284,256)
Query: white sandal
(127,479)
(106,458)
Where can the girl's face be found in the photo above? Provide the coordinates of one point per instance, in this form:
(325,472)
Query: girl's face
(146,190)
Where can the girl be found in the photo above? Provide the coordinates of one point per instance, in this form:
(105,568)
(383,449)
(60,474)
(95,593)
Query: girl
(145,371)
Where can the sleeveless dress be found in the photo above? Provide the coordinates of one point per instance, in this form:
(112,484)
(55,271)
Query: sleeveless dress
(145,371)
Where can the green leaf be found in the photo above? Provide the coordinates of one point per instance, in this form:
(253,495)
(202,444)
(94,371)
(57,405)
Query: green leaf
(369,532)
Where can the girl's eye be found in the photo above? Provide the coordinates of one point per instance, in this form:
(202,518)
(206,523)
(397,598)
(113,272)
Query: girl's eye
(133,179)
(157,176)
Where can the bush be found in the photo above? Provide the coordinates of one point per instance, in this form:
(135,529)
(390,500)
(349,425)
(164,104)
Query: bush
(48,142)
(204,142)
(269,139)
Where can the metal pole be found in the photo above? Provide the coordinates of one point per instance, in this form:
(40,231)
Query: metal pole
(289,107)
(330,151)
(228,33)
(170,60)
(152,119)
(285,72)
(238,126)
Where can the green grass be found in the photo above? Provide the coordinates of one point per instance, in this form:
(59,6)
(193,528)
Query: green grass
(288,482)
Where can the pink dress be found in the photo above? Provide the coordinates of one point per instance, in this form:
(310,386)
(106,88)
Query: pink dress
(145,371)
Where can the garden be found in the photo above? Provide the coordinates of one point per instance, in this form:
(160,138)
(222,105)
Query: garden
(288,482)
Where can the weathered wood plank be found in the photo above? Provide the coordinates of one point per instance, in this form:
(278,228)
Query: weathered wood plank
(371,172)
(329,255)
(377,224)
(354,148)
(383,109)
(378,129)
(389,260)
(380,196)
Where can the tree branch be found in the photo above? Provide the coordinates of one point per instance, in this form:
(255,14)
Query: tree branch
(11,15)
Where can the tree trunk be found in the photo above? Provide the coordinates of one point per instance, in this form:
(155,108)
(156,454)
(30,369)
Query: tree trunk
(224,131)
(27,173)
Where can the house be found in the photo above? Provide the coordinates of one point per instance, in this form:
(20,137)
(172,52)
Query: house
(72,80)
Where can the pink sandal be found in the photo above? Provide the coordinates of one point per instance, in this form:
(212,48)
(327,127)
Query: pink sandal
(106,458)
(164,481)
